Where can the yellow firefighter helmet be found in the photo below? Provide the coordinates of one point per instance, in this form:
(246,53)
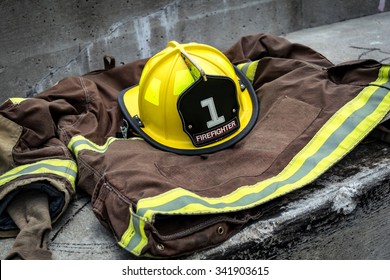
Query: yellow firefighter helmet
(190,100)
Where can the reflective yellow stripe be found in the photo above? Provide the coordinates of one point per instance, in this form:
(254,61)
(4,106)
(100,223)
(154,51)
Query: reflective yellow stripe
(79,143)
(64,168)
(15,100)
(134,239)
(249,69)
(338,136)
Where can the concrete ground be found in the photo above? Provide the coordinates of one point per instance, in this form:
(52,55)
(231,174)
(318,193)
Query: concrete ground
(342,215)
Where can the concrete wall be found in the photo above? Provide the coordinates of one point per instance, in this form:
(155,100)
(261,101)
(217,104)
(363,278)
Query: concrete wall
(43,41)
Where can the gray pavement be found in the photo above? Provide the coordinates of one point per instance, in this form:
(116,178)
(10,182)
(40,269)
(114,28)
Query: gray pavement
(343,215)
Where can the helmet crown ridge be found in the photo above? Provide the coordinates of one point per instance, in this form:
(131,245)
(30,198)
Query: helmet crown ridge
(190,100)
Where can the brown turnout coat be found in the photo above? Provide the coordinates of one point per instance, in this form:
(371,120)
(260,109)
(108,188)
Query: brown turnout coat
(312,113)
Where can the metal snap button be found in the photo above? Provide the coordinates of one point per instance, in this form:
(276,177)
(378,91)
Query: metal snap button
(220,230)
(160,247)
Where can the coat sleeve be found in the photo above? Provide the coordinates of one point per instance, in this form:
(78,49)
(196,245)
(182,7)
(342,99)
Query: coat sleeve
(35,133)
(33,155)
(258,46)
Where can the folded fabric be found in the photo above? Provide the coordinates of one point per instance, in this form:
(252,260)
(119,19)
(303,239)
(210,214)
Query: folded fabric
(30,212)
